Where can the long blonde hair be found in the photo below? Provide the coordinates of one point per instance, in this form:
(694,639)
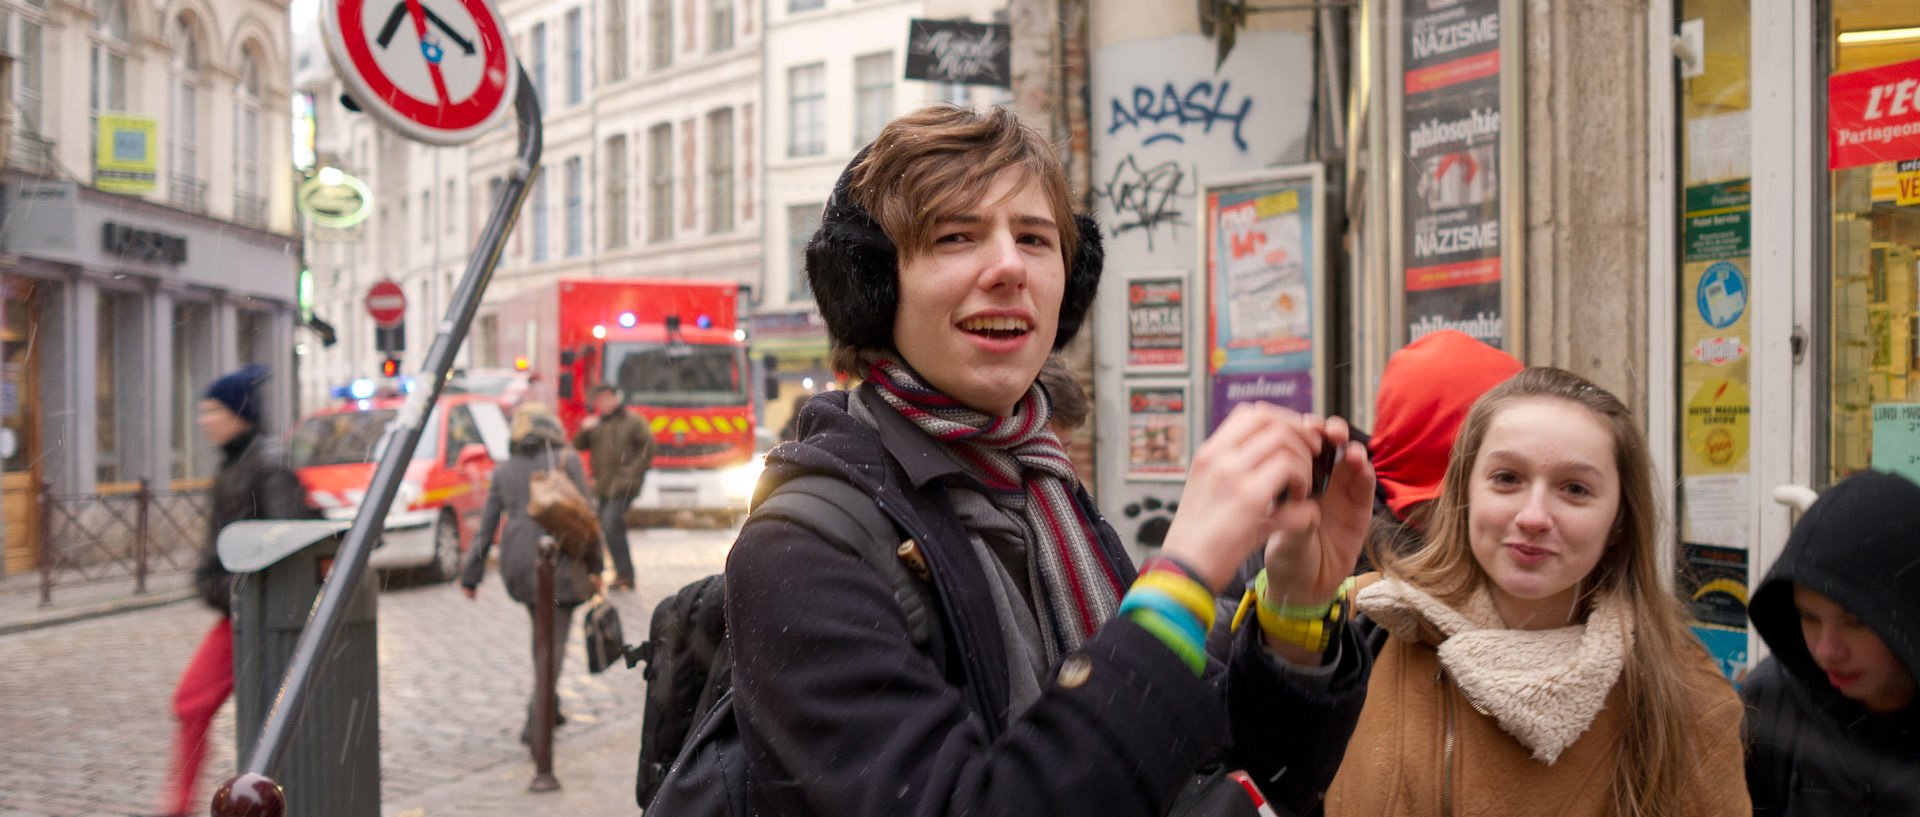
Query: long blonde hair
(1653,765)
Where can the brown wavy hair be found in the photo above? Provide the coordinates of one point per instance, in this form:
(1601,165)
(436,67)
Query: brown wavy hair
(1654,763)
(936,163)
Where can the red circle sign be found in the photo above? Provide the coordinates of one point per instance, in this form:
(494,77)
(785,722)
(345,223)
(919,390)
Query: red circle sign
(439,71)
(387,303)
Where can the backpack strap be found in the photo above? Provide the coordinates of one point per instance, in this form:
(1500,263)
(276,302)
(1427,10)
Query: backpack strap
(851,520)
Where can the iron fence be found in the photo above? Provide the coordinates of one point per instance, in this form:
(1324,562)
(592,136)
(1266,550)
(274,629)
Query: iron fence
(119,532)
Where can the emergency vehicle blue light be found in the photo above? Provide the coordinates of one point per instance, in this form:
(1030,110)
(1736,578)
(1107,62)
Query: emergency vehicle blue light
(703,322)
(626,320)
(361,389)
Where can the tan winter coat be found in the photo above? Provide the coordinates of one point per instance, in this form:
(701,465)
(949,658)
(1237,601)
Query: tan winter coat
(1538,730)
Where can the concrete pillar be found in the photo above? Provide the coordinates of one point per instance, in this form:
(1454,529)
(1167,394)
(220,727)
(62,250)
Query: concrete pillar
(82,311)
(1586,191)
(162,388)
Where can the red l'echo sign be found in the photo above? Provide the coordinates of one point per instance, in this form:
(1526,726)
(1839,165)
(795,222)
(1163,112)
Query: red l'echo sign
(387,303)
(1873,116)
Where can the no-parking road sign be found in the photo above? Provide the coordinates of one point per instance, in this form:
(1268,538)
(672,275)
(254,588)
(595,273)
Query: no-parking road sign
(438,71)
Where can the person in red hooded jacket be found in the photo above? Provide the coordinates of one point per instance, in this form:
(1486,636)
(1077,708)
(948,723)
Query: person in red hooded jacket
(1424,396)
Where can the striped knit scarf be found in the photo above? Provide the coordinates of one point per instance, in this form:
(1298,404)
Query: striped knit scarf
(1026,472)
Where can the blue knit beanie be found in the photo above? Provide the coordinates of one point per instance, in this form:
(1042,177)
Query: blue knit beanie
(240,392)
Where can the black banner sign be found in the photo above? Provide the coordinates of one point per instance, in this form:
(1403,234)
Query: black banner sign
(960,51)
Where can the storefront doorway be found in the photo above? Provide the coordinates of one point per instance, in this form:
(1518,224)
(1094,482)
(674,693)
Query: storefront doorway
(19,425)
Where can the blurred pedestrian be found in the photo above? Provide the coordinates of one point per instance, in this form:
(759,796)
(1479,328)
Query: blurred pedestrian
(1425,393)
(1538,663)
(254,482)
(538,444)
(1057,680)
(621,445)
(1832,723)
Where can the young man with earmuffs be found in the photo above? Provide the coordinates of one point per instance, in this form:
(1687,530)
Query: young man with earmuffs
(1058,678)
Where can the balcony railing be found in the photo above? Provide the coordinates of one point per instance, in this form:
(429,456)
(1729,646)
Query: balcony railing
(30,153)
(250,209)
(187,192)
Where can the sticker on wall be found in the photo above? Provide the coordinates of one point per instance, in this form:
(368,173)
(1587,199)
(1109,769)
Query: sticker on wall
(1718,351)
(1713,580)
(1157,430)
(1157,322)
(1722,295)
(1717,425)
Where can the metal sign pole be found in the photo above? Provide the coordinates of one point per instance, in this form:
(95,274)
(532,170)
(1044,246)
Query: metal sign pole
(396,449)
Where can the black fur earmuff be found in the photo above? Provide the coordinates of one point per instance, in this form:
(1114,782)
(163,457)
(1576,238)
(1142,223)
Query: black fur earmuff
(855,272)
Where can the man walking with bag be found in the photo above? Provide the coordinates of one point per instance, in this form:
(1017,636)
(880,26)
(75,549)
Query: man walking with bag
(621,447)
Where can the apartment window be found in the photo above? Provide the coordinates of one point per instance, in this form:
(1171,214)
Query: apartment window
(426,212)
(107,58)
(720,170)
(807,104)
(576,59)
(448,216)
(250,204)
(539,42)
(30,96)
(872,96)
(616,23)
(804,5)
(802,220)
(616,164)
(660,182)
(720,26)
(183,115)
(576,225)
(952,93)
(540,218)
(659,34)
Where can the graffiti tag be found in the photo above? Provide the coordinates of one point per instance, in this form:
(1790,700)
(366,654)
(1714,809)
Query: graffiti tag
(1170,113)
(1147,199)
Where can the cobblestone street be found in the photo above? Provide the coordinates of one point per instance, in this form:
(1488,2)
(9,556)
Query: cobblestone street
(87,724)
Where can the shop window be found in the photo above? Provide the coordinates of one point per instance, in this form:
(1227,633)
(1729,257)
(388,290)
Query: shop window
(120,420)
(1873,369)
(192,373)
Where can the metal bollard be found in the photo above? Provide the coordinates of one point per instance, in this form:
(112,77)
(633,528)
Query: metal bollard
(46,543)
(544,669)
(141,540)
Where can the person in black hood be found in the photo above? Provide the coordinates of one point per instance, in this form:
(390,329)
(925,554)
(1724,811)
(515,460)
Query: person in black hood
(1832,725)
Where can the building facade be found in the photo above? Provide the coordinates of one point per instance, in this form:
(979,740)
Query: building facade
(145,244)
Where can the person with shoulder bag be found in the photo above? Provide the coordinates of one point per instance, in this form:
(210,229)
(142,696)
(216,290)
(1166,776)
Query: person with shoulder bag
(1031,668)
(539,446)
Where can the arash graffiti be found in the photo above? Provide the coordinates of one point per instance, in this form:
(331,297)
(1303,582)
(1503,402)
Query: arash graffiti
(1147,199)
(1170,114)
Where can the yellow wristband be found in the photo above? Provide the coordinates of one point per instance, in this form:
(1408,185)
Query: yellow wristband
(1187,592)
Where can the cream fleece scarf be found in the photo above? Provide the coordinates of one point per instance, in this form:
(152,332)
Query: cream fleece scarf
(1543,687)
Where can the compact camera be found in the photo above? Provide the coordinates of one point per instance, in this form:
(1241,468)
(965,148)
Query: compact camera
(1323,463)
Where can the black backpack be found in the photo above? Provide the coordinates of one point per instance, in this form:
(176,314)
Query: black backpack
(690,755)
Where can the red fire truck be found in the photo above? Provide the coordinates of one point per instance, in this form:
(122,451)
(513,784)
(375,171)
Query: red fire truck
(675,350)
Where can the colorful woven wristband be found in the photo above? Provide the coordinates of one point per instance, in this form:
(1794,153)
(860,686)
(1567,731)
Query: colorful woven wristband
(1170,634)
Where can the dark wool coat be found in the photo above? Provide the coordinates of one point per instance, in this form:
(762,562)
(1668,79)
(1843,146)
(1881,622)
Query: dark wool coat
(621,446)
(1812,751)
(253,482)
(520,541)
(840,714)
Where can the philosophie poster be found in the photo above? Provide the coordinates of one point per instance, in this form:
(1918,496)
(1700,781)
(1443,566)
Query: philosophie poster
(1157,322)
(1157,430)
(1452,217)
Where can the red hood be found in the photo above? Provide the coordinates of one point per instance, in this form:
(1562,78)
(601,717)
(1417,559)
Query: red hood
(1424,397)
